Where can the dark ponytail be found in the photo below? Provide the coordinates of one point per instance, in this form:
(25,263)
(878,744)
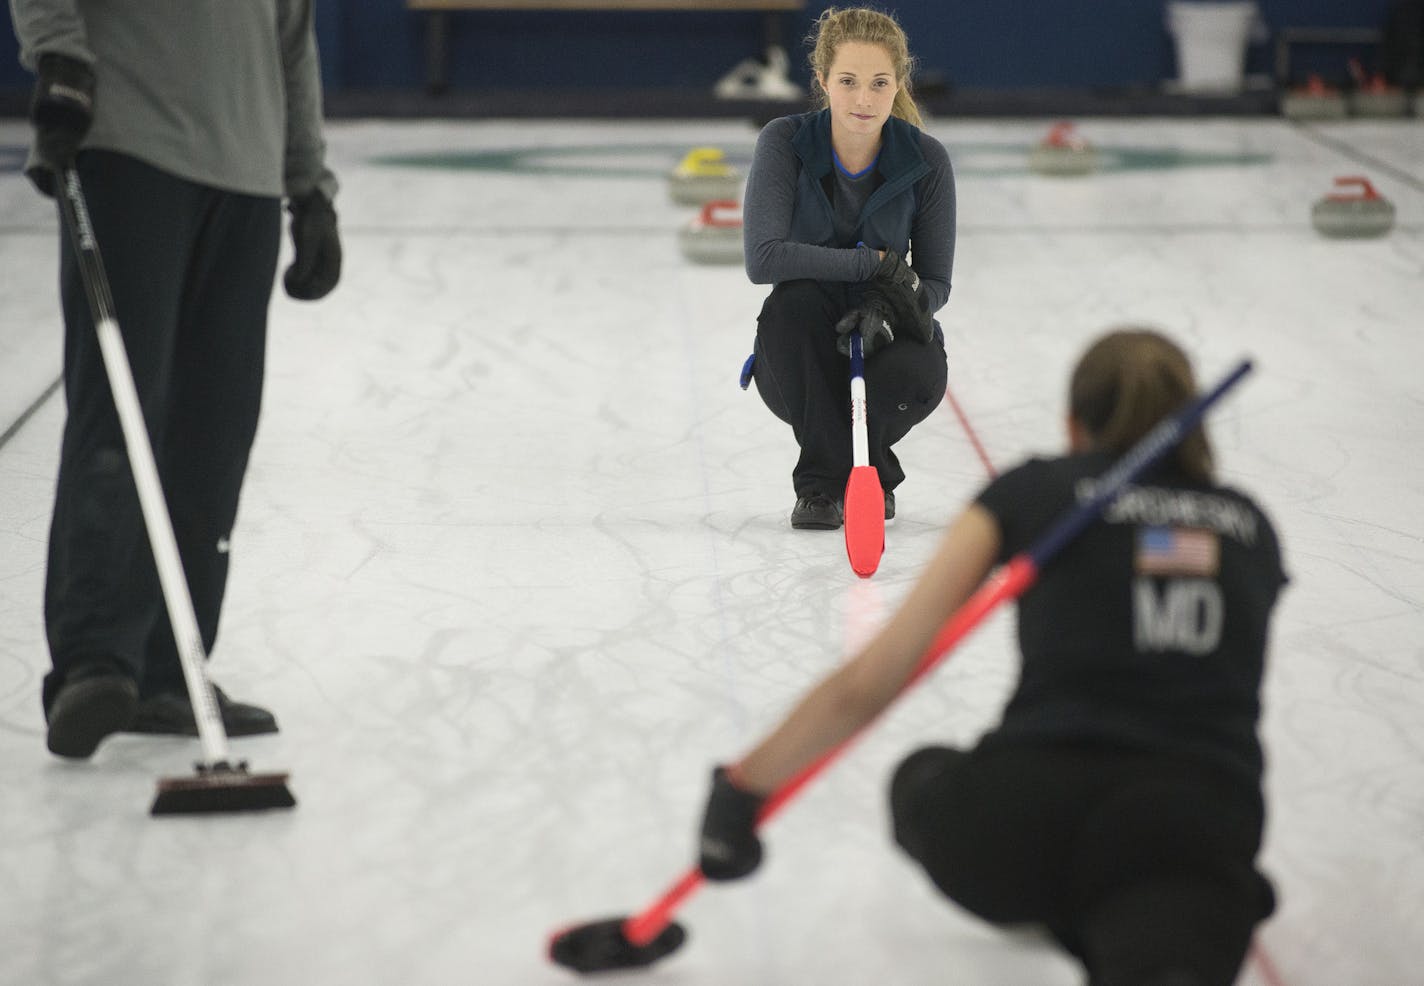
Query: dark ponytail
(1125,383)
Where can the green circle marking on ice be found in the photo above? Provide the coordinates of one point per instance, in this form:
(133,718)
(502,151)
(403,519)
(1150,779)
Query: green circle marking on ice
(986,160)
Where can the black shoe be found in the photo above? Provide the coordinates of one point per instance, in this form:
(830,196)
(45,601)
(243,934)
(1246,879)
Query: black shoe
(816,512)
(94,701)
(889,504)
(170,714)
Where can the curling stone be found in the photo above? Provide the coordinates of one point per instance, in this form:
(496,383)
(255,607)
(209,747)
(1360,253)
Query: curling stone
(712,238)
(1353,216)
(704,176)
(1379,102)
(1314,101)
(1063,152)
(1375,97)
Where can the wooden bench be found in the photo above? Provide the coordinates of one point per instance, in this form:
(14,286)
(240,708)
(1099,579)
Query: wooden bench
(437,48)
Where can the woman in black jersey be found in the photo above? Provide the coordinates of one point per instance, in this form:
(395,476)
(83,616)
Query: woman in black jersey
(836,200)
(1118,801)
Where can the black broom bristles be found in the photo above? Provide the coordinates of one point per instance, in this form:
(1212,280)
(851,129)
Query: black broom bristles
(221,788)
(601,946)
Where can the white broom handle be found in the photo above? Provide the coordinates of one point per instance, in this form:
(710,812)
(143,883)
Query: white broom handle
(860,442)
(165,547)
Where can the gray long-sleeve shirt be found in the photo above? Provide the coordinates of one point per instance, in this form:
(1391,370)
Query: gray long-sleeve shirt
(780,200)
(226,93)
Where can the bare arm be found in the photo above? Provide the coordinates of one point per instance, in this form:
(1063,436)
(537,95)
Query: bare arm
(861,688)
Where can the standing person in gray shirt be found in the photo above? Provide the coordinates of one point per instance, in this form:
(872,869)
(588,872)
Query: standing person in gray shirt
(188,122)
(836,200)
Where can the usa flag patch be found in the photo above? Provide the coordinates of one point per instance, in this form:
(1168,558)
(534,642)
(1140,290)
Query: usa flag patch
(1177,551)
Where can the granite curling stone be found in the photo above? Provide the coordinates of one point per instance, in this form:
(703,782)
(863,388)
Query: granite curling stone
(1373,96)
(1063,152)
(704,175)
(1353,216)
(713,237)
(1314,101)
(1376,98)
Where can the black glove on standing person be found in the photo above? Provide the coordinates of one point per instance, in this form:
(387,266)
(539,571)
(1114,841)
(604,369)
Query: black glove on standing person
(729,849)
(897,286)
(317,265)
(61,111)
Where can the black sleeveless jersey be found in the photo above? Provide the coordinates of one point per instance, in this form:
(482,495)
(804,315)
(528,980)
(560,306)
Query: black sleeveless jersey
(1149,629)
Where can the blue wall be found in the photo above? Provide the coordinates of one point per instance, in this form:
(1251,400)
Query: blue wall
(989,44)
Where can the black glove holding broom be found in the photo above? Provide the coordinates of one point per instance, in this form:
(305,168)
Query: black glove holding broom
(61,111)
(893,303)
(729,849)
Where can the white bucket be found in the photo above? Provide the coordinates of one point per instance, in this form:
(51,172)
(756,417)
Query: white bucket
(1211,43)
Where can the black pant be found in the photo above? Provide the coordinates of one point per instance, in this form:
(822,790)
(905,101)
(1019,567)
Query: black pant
(1136,863)
(191,270)
(805,382)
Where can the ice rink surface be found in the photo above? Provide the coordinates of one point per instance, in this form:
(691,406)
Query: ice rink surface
(513,567)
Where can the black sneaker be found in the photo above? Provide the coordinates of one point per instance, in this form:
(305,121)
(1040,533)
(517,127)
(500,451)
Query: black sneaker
(816,512)
(889,504)
(170,714)
(95,700)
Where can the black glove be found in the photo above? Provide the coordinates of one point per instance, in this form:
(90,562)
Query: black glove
(898,286)
(894,272)
(730,848)
(875,321)
(61,111)
(317,265)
